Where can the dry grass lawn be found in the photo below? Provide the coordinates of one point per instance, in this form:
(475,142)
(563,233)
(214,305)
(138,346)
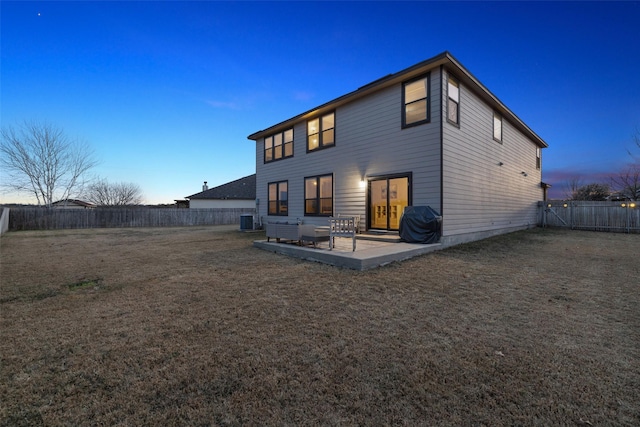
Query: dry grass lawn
(194,326)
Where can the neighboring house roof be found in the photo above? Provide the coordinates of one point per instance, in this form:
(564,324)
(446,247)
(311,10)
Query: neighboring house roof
(445,59)
(240,189)
(622,196)
(73,202)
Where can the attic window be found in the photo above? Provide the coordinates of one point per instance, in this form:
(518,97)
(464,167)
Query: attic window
(415,102)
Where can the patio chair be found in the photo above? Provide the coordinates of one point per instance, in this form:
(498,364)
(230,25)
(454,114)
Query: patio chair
(342,226)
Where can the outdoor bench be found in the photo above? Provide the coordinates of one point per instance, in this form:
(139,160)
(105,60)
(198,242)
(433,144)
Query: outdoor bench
(356,220)
(338,227)
(342,227)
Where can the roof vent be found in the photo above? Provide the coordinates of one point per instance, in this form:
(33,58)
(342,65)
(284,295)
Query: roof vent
(204,187)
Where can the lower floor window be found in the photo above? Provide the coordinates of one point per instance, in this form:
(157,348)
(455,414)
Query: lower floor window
(278,198)
(318,195)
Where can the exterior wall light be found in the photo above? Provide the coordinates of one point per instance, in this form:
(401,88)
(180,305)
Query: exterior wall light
(565,205)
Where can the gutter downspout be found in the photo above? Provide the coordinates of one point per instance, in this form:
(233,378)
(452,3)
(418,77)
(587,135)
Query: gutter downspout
(441,150)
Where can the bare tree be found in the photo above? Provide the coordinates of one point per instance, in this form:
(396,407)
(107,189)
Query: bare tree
(636,140)
(627,182)
(103,193)
(571,188)
(592,191)
(40,159)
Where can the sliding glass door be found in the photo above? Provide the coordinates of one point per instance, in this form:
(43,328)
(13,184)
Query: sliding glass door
(388,196)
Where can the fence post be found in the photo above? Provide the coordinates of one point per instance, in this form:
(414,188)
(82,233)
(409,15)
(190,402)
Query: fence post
(571,215)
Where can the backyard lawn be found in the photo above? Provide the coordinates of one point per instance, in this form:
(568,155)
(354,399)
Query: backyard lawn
(195,326)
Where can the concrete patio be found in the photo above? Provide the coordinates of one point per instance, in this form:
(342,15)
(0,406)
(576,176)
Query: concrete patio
(371,251)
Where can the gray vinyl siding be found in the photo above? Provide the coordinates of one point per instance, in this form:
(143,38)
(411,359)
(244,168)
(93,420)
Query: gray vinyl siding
(370,142)
(480,186)
(479,195)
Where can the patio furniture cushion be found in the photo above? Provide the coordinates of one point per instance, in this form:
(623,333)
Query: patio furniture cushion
(313,233)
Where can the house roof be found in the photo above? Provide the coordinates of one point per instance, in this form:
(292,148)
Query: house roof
(444,59)
(240,189)
(68,202)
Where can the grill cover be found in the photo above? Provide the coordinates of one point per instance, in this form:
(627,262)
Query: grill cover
(420,224)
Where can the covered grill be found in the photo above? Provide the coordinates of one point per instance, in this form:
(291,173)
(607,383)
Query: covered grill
(420,224)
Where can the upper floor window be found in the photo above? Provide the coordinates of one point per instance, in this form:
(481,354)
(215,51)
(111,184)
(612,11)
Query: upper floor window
(318,195)
(497,127)
(321,132)
(453,102)
(415,102)
(538,157)
(278,198)
(278,146)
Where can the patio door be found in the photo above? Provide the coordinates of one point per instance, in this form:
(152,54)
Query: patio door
(388,196)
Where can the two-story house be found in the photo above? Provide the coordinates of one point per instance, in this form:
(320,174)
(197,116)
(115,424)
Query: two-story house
(429,135)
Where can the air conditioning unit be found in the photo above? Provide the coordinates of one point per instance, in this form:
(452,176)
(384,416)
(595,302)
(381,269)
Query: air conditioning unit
(246,222)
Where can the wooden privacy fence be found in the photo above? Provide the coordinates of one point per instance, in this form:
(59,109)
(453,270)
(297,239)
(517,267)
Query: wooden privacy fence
(38,218)
(621,217)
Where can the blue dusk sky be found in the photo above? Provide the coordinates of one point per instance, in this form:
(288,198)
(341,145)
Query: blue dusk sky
(167,92)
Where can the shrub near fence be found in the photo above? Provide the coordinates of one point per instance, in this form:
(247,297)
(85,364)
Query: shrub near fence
(34,218)
(622,217)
